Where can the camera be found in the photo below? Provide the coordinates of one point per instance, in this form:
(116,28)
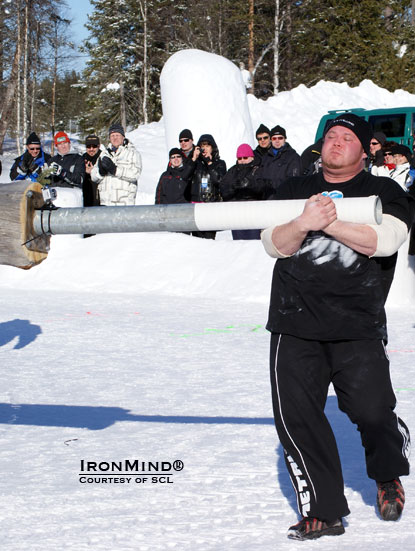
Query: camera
(49,194)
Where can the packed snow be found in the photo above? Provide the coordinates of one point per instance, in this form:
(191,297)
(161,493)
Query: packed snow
(152,348)
(195,86)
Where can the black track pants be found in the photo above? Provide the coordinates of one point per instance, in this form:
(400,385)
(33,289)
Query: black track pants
(301,372)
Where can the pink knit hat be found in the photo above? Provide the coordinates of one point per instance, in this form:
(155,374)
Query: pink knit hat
(244,150)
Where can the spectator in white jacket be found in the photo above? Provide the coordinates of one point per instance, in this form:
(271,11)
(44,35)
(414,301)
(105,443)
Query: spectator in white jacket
(117,170)
(402,173)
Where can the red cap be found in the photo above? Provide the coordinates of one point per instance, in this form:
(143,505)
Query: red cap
(61,137)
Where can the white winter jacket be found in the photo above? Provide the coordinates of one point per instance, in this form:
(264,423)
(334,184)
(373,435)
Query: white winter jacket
(401,175)
(380,171)
(120,189)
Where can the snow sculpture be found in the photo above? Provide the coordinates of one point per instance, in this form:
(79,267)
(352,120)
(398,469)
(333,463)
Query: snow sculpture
(205,93)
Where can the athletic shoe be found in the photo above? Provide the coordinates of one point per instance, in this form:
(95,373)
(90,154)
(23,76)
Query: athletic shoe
(390,499)
(310,528)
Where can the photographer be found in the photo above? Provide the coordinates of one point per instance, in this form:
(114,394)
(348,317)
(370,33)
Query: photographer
(209,171)
(30,164)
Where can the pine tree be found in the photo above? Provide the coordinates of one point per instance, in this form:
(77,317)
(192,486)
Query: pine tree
(114,70)
(348,41)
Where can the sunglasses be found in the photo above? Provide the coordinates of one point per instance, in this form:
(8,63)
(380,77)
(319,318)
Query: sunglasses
(263,139)
(33,148)
(277,138)
(92,147)
(184,140)
(176,157)
(388,153)
(374,143)
(243,158)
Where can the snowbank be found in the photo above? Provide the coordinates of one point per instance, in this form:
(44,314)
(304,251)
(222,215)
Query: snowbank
(206,93)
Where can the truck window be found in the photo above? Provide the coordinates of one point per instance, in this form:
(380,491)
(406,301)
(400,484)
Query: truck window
(393,126)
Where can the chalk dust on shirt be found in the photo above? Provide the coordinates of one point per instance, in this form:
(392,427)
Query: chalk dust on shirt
(320,250)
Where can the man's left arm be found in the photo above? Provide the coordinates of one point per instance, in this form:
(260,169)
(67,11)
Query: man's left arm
(369,239)
(294,168)
(130,169)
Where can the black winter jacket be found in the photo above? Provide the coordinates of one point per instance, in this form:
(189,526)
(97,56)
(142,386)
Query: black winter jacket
(206,181)
(278,168)
(174,184)
(73,166)
(260,152)
(241,183)
(90,188)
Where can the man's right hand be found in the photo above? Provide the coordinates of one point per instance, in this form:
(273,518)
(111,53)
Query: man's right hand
(106,166)
(56,169)
(319,211)
(26,161)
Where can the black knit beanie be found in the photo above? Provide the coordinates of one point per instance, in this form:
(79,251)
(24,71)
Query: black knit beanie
(278,131)
(116,128)
(33,138)
(262,129)
(357,125)
(186,133)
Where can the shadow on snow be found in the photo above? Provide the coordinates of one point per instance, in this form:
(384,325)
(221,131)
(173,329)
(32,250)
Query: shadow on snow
(98,418)
(25,331)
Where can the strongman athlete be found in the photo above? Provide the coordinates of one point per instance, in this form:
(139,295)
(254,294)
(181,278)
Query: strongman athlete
(328,325)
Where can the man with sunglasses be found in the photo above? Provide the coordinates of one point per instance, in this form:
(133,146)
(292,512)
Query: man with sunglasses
(91,156)
(375,157)
(281,161)
(29,165)
(187,147)
(263,136)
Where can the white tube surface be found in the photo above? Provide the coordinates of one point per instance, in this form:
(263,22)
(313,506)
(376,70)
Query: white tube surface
(252,215)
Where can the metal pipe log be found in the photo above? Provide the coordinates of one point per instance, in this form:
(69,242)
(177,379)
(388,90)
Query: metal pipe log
(194,217)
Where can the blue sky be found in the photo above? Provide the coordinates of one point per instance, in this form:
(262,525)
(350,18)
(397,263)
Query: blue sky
(77,12)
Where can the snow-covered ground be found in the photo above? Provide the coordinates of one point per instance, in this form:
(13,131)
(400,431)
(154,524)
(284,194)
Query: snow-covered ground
(152,347)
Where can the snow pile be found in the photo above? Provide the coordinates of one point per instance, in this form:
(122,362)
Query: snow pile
(206,93)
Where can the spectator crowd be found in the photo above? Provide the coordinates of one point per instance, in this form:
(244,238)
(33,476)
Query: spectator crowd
(109,174)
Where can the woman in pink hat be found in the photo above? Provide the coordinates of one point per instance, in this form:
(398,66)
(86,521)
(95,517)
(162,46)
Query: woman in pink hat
(242,183)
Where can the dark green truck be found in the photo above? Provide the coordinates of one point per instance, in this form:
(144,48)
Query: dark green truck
(398,123)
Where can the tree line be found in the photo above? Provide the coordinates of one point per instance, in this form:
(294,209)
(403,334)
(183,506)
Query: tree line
(282,43)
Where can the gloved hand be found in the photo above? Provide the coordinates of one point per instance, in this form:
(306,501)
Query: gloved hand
(57,170)
(241,184)
(26,163)
(106,166)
